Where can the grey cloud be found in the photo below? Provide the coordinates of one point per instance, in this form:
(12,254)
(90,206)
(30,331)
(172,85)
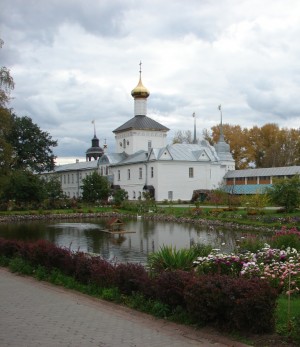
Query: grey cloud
(272,102)
(40,20)
(166,103)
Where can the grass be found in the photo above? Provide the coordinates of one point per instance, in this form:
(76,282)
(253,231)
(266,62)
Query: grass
(261,218)
(288,323)
(265,218)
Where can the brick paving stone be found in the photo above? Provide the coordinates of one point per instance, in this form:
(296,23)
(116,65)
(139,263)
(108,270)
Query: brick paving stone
(34,313)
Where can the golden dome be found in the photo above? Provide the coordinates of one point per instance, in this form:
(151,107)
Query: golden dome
(140,91)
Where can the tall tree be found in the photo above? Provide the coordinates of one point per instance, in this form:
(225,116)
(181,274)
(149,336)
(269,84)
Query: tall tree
(235,136)
(32,147)
(266,146)
(23,187)
(6,149)
(270,146)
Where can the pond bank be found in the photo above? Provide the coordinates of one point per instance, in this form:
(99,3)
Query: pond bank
(153,216)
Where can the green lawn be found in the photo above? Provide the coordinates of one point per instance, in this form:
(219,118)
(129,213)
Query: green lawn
(288,324)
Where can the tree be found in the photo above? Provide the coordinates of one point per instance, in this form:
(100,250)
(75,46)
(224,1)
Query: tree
(286,192)
(95,188)
(266,146)
(24,187)
(23,145)
(32,147)
(53,188)
(6,149)
(119,196)
(236,137)
(6,83)
(183,137)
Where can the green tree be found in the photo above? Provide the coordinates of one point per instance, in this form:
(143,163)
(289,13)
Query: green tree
(32,147)
(6,149)
(95,188)
(53,188)
(119,196)
(24,187)
(286,192)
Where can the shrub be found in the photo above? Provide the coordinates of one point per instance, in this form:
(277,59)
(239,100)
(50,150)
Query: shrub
(170,287)
(83,268)
(10,248)
(233,303)
(131,278)
(102,272)
(50,256)
(254,305)
(286,238)
(204,299)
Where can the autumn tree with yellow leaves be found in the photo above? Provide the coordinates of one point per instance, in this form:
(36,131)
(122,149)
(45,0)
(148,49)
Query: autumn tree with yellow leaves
(266,146)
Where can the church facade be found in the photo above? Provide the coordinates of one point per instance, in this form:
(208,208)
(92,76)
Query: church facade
(144,162)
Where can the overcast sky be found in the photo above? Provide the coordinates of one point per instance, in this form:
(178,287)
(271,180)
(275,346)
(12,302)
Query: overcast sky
(78,60)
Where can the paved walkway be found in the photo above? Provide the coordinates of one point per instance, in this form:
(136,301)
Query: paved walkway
(34,313)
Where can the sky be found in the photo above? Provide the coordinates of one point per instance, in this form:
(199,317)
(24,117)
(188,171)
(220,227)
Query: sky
(75,61)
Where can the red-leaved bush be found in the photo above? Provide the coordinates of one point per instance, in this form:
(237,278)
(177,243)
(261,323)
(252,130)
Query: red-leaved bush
(102,273)
(83,267)
(10,248)
(233,303)
(131,277)
(170,286)
(49,255)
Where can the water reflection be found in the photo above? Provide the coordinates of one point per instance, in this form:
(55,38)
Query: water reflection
(149,236)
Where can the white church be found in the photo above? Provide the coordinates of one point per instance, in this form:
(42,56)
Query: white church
(144,162)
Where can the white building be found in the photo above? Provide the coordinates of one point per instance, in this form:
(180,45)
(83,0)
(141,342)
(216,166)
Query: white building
(143,161)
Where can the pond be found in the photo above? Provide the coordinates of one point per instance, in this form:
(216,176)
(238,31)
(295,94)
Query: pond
(143,236)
